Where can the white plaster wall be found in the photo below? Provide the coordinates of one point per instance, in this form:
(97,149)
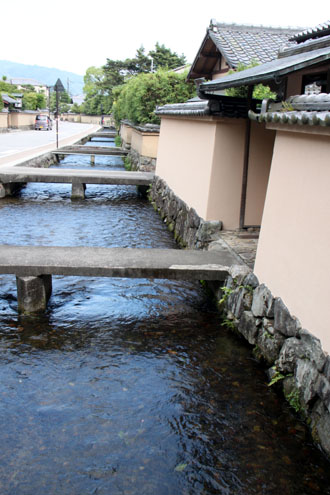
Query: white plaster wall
(293,257)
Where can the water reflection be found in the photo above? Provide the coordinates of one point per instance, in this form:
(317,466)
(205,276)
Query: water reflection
(131,386)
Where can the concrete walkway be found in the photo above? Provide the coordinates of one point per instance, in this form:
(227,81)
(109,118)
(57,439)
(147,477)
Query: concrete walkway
(243,243)
(34,261)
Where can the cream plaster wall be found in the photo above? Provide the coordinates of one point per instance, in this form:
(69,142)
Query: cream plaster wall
(185,158)
(126,133)
(90,119)
(87,119)
(226,173)
(3,120)
(293,252)
(21,119)
(202,160)
(260,157)
(70,117)
(146,144)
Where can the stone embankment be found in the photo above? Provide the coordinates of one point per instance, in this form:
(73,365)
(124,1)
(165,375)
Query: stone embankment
(293,357)
(188,228)
(142,156)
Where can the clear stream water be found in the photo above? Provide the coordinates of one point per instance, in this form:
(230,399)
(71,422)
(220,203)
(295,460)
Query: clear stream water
(132,386)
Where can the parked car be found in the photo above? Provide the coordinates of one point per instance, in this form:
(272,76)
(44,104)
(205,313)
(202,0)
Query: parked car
(43,122)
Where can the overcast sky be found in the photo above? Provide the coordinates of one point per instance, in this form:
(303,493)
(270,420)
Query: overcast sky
(74,34)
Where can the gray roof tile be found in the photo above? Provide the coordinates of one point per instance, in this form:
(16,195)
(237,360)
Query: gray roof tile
(311,110)
(267,71)
(316,32)
(191,108)
(241,44)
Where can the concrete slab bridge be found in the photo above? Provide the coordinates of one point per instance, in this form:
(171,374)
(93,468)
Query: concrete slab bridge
(12,177)
(35,265)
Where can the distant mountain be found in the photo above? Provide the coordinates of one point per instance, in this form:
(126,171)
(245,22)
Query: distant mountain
(43,74)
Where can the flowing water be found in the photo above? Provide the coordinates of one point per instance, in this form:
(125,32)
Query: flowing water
(132,386)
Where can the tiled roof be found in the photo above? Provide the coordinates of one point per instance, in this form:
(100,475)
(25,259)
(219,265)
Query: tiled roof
(311,110)
(8,99)
(316,32)
(191,108)
(242,44)
(152,128)
(267,72)
(224,106)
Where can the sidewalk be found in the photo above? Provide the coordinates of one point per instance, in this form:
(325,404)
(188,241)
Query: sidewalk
(35,151)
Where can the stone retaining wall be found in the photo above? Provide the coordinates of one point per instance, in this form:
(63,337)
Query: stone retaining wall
(141,141)
(42,161)
(293,357)
(189,229)
(141,163)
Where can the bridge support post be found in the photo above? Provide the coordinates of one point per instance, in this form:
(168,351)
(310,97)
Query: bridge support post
(92,160)
(78,190)
(33,293)
(9,188)
(143,191)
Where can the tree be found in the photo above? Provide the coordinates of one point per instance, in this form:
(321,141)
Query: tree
(33,101)
(260,91)
(63,100)
(93,77)
(141,62)
(164,57)
(76,108)
(100,83)
(138,98)
(7,87)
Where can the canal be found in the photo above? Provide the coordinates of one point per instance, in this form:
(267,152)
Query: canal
(132,386)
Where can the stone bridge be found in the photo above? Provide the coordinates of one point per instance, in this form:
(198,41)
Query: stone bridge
(10,177)
(35,265)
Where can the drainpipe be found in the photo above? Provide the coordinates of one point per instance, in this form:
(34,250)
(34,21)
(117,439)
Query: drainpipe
(246,161)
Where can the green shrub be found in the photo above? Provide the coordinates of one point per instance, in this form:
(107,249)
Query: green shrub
(118,141)
(137,99)
(260,91)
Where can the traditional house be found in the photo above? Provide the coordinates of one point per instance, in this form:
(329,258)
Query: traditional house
(227,46)
(295,225)
(22,82)
(10,102)
(211,142)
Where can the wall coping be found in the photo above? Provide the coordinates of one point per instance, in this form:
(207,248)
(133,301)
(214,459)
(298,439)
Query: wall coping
(306,129)
(143,128)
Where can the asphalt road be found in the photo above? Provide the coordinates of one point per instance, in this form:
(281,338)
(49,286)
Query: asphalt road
(15,143)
